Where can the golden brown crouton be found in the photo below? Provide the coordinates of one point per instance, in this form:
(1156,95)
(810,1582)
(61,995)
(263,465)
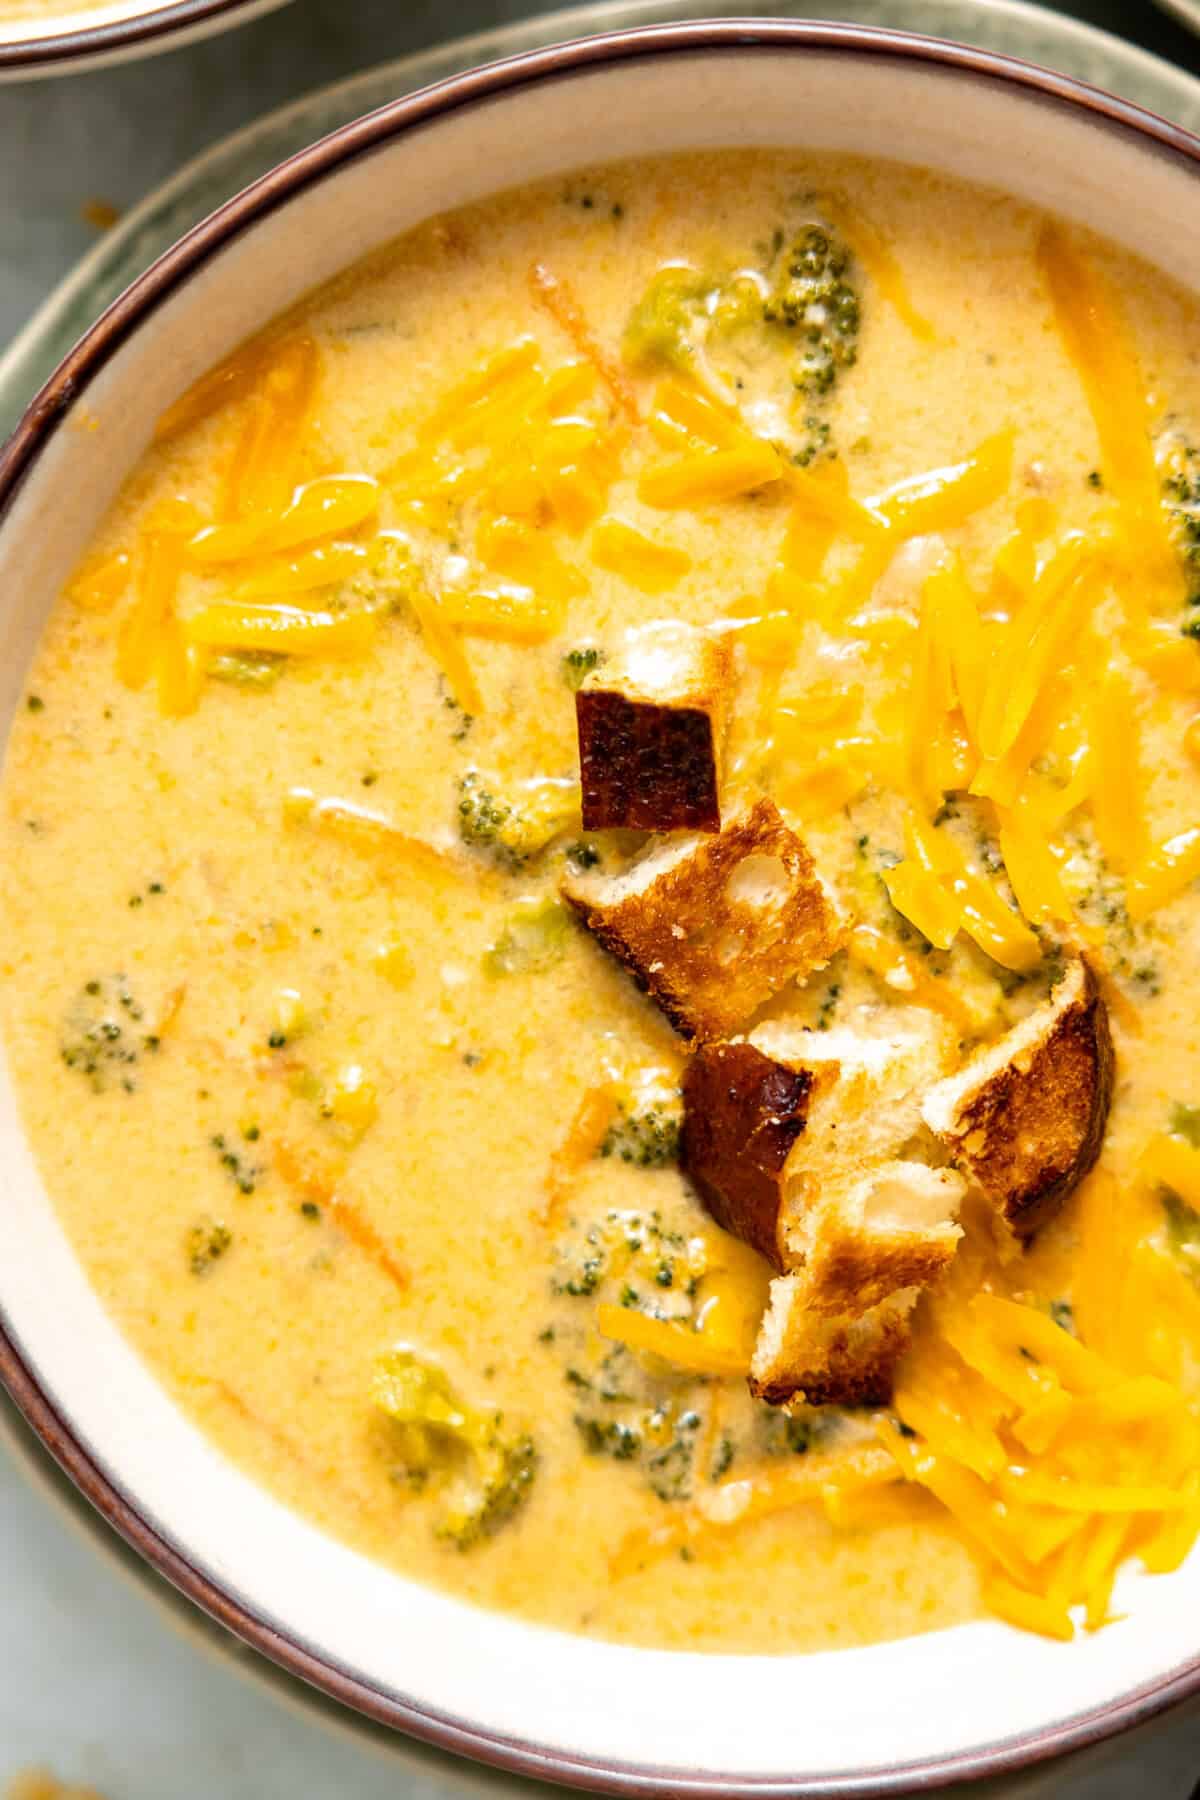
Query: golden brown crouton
(828,1360)
(651,731)
(1025,1119)
(795,1139)
(779,1128)
(869,1237)
(742,1112)
(712,927)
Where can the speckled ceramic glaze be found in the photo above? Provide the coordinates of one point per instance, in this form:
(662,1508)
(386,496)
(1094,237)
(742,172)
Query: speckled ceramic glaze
(896,1718)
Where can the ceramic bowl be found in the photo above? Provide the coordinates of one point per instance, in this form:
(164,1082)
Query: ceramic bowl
(896,1718)
(73,35)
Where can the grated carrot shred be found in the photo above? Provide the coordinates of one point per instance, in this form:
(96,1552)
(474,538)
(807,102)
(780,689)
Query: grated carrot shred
(555,295)
(442,642)
(879,260)
(584,1136)
(907,976)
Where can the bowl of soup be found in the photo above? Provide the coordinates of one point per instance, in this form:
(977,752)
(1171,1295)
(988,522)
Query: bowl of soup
(601,817)
(61,37)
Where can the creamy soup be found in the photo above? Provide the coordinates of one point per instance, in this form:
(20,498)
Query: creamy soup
(373,1145)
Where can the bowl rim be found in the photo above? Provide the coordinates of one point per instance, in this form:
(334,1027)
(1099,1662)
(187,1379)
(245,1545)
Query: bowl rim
(42,418)
(67,51)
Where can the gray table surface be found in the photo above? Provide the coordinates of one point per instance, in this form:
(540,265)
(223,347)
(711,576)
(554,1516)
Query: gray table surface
(95,1679)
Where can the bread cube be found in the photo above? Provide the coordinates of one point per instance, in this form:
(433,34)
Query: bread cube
(1025,1119)
(782,1130)
(828,1359)
(651,727)
(713,927)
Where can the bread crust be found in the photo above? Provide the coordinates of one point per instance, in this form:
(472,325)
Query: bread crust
(742,1114)
(651,730)
(1025,1120)
(707,954)
(645,767)
(852,1267)
(844,1361)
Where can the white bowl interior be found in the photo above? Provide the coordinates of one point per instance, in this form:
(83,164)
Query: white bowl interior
(866,1710)
(36,35)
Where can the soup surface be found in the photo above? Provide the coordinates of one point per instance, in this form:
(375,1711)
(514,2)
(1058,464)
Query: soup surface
(373,1149)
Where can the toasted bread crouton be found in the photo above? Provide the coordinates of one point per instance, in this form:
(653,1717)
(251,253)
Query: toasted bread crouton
(651,732)
(774,1121)
(1025,1119)
(712,927)
(742,1112)
(878,1233)
(824,1359)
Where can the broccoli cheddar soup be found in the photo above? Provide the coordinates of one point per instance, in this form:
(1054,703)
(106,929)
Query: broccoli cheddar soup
(600,915)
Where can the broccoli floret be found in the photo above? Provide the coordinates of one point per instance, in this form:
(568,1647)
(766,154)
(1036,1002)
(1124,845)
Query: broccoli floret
(814,294)
(207,1242)
(660,1438)
(1179,465)
(487,1472)
(645,1130)
(796,1433)
(1185,1123)
(101,1036)
(534,936)
(622,1247)
(1183,1233)
(648,1138)
(578,664)
(513,831)
(666,324)
(584,855)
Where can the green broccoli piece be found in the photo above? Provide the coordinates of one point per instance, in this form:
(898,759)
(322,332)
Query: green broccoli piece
(1185,1123)
(645,1131)
(487,1472)
(667,324)
(660,1437)
(1183,1233)
(1179,464)
(101,1036)
(534,936)
(207,1242)
(578,664)
(514,831)
(814,294)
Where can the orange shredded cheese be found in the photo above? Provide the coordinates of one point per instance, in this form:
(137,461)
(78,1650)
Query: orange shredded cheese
(320,509)
(642,561)
(292,630)
(1095,335)
(711,476)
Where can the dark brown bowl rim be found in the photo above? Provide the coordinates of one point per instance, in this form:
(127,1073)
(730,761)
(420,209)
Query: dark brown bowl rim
(33,432)
(93,43)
